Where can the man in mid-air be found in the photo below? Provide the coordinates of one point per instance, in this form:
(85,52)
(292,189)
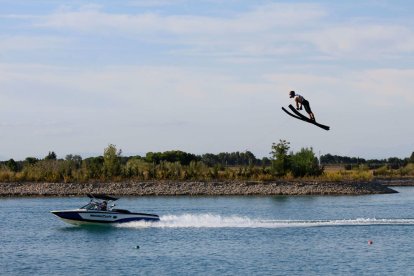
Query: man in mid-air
(300,100)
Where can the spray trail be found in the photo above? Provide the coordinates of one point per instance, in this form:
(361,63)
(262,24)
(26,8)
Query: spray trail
(218,221)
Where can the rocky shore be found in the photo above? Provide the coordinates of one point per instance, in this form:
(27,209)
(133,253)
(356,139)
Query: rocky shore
(396,181)
(194,188)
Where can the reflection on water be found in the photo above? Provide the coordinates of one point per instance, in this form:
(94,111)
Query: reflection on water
(93,228)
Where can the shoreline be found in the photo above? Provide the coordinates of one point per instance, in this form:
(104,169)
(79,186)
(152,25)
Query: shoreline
(396,181)
(194,188)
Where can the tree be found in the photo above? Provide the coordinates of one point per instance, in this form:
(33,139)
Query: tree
(265,161)
(51,156)
(249,158)
(210,159)
(395,163)
(304,163)
(280,157)
(93,166)
(31,160)
(75,160)
(111,165)
(12,165)
(171,156)
(411,160)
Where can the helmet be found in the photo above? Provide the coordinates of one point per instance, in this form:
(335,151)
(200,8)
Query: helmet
(292,94)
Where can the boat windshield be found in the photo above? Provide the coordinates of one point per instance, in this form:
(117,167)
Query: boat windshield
(91,206)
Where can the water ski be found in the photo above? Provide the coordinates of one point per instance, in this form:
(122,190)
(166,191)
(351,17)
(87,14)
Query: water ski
(300,116)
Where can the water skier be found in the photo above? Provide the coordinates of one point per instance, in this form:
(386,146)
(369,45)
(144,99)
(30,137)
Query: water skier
(301,101)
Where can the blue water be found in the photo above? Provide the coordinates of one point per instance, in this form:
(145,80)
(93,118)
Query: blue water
(281,235)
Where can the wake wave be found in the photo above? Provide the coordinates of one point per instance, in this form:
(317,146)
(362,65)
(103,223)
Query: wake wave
(218,221)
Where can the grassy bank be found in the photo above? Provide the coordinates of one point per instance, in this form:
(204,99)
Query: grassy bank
(138,170)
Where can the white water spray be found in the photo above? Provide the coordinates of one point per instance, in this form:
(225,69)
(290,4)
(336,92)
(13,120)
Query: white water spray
(218,221)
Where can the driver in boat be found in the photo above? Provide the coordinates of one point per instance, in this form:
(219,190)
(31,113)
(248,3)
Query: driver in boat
(103,206)
(300,100)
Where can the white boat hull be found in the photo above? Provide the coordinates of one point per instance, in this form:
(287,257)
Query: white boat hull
(80,216)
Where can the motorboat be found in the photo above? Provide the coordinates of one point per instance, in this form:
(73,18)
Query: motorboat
(98,211)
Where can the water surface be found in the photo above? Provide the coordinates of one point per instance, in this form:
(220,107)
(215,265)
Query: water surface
(281,235)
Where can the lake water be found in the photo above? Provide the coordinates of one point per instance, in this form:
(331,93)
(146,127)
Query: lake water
(280,235)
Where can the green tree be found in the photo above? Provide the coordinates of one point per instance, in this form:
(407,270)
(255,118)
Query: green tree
(51,156)
(93,167)
(74,160)
(280,157)
(12,165)
(31,160)
(112,164)
(135,167)
(171,156)
(304,163)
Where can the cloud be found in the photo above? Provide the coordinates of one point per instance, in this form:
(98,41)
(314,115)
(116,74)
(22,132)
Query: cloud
(251,33)
(262,18)
(386,87)
(373,88)
(13,43)
(260,32)
(157,106)
(20,16)
(271,30)
(362,40)
(142,88)
(163,89)
(161,107)
(256,32)
(155,3)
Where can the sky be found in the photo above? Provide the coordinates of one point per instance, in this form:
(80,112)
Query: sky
(205,76)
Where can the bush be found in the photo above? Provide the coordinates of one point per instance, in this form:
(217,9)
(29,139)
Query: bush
(304,163)
(12,165)
(382,171)
(280,158)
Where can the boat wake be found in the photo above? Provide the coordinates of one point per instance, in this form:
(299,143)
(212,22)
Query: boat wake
(218,221)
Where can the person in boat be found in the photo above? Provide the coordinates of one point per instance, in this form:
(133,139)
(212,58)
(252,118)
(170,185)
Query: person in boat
(103,206)
(301,101)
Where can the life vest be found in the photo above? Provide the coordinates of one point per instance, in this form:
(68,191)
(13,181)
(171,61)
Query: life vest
(300,98)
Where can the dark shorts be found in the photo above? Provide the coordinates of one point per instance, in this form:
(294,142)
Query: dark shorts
(305,103)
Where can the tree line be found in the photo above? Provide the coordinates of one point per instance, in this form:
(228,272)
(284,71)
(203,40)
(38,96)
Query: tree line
(178,165)
(112,166)
(349,162)
(223,159)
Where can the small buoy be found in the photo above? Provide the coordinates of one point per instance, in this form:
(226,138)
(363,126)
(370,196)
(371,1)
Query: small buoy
(370,242)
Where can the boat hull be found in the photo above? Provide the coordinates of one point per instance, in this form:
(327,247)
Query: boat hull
(79,217)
